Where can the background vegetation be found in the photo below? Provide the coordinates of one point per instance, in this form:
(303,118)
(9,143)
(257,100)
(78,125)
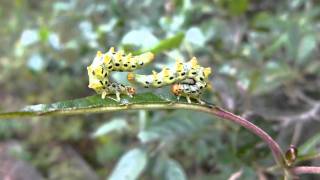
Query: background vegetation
(265,58)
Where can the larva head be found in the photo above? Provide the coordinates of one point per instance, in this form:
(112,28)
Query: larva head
(131,90)
(176,89)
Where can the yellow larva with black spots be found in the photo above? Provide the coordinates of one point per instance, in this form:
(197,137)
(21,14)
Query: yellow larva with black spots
(167,76)
(119,61)
(187,79)
(104,63)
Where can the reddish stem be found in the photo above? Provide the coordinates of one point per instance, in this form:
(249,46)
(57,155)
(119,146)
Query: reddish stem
(273,145)
(305,170)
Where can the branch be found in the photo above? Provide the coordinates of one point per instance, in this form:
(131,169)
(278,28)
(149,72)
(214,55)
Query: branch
(305,170)
(147,101)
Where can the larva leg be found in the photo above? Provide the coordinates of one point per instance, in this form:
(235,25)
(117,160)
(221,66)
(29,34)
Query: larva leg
(118,96)
(178,98)
(130,95)
(188,99)
(200,101)
(103,94)
(112,98)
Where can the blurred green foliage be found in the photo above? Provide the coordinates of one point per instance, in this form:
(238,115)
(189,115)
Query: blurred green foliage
(265,54)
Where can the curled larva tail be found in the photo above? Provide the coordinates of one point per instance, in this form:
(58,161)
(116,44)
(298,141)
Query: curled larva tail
(104,63)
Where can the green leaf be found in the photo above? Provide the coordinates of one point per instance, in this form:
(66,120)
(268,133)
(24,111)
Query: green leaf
(94,104)
(237,7)
(174,171)
(130,165)
(179,123)
(309,146)
(167,44)
(116,124)
(307,45)
(276,45)
(82,105)
(275,74)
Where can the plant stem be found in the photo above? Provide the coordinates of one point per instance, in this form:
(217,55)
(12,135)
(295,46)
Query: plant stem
(305,170)
(213,110)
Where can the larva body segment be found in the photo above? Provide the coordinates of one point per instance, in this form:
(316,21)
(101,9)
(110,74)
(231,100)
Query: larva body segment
(188,79)
(104,63)
(167,76)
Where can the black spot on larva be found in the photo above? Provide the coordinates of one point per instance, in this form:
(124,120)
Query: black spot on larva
(125,65)
(102,71)
(201,87)
(113,85)
(121,70)
(171,78)
(121,85)
(110,67)
(187,89)
(194,73)
(101,82)
(133,66)
(94,73)
(159,82)
(193,91)
(106,74)
(182,74)
(201,78)
(114,53)
(146,87)
(141,64)
(117,64)
(147,82)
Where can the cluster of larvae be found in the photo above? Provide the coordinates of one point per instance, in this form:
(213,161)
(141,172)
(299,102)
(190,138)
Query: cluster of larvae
(187,79)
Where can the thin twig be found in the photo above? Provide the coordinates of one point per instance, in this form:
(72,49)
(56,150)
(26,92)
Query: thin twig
(305,170)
